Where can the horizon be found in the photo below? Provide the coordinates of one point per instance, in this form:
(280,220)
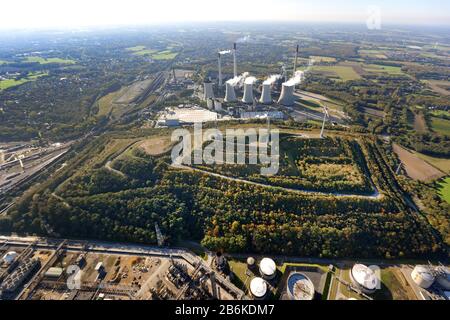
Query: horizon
(45,14)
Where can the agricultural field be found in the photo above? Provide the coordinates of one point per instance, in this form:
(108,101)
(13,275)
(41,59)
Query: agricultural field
(444,190)
(441,126)
(417,168)
(378,68)
(377,54)
(320,59)
(339,72)
(154,54)
(9,83)
(439,86)
(443,164)
(41,60)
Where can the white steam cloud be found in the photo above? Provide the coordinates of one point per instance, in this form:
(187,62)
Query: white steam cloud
(250,80)
(271,79)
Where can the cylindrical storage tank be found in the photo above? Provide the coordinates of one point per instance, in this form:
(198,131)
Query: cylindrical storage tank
(9,257)
(423,277)
(258,288)
(444,278)
(300,287)
(230,94)
(268,268)
(208,92)
(287,95)
(364,278)
(250,262)
(248,93)
(266,96)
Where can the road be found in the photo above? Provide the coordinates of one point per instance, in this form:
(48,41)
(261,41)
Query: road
(376,195)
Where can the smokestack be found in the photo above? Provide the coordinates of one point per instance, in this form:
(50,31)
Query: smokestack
(295,62)
(220,70)
(208,92)
(287,94)
(266,96)
(230,94)
(234,60)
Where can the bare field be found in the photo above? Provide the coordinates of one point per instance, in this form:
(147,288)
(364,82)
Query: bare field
(156,146)
(417,168)
(420,125)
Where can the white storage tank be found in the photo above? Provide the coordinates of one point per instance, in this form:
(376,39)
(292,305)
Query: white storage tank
(300,287)
(9,257)
(364,278)
(423,276)
(443,278)
(258,288)
(268,268)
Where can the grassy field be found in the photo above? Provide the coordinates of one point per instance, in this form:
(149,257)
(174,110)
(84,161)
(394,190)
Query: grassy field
(165,55)
(440,163)
(378,54)
(323,59)
(417,168)
(5,84)
(444,191)
(440,125)
(379,68)
(41,60)
(344,73)
(154,54)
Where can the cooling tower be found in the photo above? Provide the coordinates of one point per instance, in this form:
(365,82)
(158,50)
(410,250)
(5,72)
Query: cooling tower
(266,96)
(208,91)
(230,95)
(248,93)
(287,94)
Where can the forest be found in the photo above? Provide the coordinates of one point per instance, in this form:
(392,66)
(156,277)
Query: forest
(235,217)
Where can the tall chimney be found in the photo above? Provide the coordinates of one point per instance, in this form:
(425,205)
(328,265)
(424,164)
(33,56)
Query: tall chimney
(220,70)
(234,60)
(296,61)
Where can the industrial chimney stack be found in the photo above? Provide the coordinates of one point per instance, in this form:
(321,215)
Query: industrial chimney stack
(296,61)
(220,70)
(234,60)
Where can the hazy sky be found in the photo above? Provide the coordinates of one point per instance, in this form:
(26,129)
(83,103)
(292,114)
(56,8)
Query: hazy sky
(70,13)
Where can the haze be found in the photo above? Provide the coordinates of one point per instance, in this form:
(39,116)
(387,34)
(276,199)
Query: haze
(22,14)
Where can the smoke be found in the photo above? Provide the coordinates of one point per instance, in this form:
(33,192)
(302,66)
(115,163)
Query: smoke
(296,79)
(299,75)
(224,52)
(243,39)
(271,79)
(238,80)
(250,80)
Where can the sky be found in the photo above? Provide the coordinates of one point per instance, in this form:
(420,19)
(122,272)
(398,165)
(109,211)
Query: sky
(24,14)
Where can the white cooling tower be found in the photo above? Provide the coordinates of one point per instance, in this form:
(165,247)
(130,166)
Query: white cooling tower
(208,91)
(287,94)
(230,95)
(248,93)
(266,96)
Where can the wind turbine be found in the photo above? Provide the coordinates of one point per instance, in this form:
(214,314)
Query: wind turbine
(325,117)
